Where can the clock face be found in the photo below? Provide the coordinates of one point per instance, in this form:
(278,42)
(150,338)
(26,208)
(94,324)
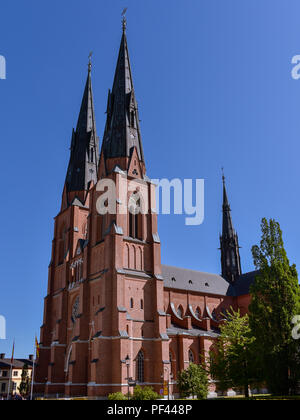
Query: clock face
(75,310)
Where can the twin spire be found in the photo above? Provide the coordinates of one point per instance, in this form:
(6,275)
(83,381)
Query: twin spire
(83,164)
(122,130)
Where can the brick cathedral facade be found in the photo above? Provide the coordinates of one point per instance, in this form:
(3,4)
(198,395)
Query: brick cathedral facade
(109,297)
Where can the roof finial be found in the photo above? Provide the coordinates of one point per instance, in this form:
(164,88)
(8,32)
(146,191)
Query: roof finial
(223,176)
(124,21)
(90,61)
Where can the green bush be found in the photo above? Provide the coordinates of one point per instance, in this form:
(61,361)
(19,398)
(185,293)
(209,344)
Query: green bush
(145,393)
(117,396)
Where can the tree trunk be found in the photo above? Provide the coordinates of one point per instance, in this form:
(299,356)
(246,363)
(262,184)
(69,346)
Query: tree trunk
(246,391)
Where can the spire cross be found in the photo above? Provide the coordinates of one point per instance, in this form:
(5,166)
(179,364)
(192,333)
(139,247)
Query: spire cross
(124,21)
(223,176)
(90,60)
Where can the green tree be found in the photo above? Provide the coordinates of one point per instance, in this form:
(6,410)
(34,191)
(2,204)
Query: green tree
(145,393)
(24,387)
(233,361)
(274,302)
(193,381)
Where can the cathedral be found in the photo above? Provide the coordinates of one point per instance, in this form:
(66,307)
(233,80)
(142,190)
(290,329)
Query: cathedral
(113,313)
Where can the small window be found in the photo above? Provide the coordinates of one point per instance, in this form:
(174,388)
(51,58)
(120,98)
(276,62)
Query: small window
(15,373)
(92,155)
(190,282)
(191,356)
(131,303)
(198,312)
(173,279)
(142,304)
(180,311)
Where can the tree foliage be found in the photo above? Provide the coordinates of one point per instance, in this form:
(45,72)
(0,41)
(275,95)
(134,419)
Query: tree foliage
(274,302)
(233,361)
(193,381)
(117,396)
(145,393)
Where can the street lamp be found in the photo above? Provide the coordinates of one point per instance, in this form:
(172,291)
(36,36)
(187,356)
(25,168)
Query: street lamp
(127,363)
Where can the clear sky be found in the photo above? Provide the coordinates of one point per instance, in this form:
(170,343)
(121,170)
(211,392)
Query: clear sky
(213,82)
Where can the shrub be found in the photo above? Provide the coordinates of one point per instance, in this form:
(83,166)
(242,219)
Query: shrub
(145,393)
(117,396)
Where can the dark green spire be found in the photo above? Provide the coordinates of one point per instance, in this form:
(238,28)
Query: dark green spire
(230,254)
(84,157)
(122,130)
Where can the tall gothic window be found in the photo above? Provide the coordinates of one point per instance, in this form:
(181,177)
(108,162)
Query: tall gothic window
(191,357)
(134,219)
(140,367)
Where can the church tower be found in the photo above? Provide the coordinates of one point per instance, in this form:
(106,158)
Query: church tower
(230,254)
(105,302)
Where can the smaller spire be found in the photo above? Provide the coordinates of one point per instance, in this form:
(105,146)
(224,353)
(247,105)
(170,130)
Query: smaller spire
(230,255)
(226,206)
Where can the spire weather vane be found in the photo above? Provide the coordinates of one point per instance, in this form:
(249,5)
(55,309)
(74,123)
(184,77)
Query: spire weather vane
(90,60)
(124,22)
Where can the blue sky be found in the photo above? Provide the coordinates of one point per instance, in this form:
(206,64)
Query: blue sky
(213,82)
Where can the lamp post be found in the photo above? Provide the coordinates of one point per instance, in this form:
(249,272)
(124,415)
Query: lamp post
(127,362)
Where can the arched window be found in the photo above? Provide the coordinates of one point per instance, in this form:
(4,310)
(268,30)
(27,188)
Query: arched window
(134,207)
(131,303)
(126,256)
(180,311)
(140,367)
(191,357)
(198,312)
